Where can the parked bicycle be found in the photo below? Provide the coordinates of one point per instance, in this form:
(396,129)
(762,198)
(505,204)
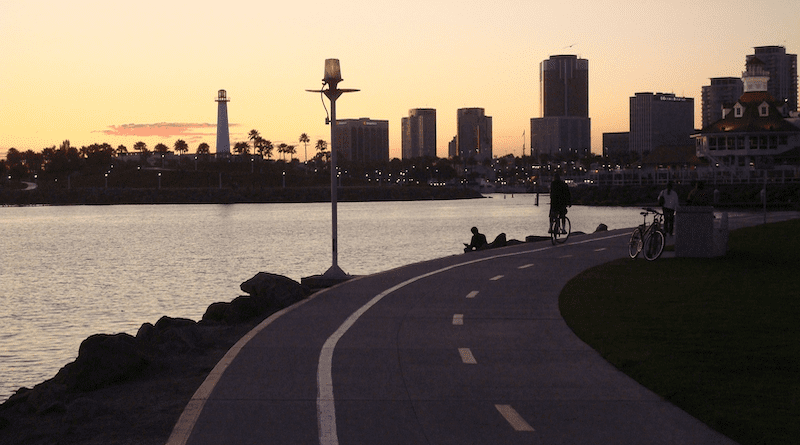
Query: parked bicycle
(648,239)
(560,228)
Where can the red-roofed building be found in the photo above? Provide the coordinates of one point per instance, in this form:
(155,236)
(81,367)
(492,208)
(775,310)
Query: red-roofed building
(754,132)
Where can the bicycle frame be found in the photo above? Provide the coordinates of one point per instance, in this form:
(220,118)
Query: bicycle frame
(645,231)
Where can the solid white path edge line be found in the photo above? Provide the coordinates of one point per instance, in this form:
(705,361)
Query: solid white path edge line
(326,412)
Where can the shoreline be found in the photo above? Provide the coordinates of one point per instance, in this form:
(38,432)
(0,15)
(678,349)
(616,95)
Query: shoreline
(727,196)
(124,388)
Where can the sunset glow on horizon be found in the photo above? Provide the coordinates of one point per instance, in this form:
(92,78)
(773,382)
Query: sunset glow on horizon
(94,72)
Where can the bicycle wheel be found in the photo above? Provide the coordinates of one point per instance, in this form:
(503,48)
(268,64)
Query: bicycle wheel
(635,243)
(653,245)
(560,236)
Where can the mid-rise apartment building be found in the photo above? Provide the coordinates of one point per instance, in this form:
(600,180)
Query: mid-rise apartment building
(363,140)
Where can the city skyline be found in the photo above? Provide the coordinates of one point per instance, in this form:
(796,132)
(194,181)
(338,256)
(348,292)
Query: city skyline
(91,73)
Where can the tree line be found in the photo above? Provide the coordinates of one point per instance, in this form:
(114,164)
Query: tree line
(67,158)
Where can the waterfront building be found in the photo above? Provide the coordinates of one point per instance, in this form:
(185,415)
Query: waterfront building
(419,133)
(363,140)
(722,92)
(564,128)
(660,120)
(782,69)
(223,138)
(474,136)
(757,132)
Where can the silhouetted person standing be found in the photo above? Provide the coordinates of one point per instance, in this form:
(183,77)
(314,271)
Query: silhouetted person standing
(668,200)
(560,199)
(478,241)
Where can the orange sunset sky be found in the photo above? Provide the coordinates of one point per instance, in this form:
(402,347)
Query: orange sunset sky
(104,71)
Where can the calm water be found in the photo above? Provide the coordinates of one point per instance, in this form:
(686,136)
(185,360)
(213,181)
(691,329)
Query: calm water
(70,272)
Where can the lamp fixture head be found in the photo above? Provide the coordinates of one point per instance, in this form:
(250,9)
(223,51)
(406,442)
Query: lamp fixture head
(333,73)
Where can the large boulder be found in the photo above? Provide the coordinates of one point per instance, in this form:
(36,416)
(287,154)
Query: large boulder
(274,291)
(103,360)
(268,293)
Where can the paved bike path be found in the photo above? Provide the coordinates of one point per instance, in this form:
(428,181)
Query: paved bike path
(464,349)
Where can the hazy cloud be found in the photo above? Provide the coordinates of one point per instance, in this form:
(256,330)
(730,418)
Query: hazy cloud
(162,129)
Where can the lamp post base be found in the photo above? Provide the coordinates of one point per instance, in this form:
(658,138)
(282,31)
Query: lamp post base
(336,273)
(331,277)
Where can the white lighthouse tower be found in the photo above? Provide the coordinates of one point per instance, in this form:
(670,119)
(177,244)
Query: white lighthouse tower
(223,138)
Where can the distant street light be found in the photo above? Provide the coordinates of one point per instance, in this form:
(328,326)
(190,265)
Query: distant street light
(333,76)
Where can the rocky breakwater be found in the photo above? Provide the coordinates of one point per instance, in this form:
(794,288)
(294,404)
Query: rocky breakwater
(132,389)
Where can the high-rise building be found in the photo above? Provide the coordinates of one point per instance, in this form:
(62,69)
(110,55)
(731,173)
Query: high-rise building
(782,69)
(474,134)
(564,86)
(419,133)
(660,120)
(565,127)
(362,140)
(722,92)
(223,137)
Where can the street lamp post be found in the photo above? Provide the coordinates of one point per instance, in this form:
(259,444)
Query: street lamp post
(333,76)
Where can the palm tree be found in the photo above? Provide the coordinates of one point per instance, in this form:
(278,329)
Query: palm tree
(282,149)
(121,150)
(255,138)
(305,140)
(181,146)
(322,149)
(139,146)
(203,149)
(291,150)
(241,148)
(266,148)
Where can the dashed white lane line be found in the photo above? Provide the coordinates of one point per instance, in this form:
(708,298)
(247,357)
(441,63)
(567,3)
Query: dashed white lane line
(458,319)
(513,418)
(565,256)
(472,294)
(525,266)
(326,404)
(467,357)
(600,249)
(496,278)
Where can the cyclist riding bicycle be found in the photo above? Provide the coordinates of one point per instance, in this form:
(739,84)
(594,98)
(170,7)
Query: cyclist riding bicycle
(560,199)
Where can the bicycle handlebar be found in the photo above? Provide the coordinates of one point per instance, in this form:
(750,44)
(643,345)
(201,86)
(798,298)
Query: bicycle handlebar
(651,210)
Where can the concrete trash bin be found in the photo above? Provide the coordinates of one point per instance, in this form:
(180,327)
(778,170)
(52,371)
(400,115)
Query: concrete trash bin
(695,234)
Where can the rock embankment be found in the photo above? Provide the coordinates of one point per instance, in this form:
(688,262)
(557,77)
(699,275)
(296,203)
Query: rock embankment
(132,389)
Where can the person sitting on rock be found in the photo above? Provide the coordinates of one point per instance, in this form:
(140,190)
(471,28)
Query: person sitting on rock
(478,241)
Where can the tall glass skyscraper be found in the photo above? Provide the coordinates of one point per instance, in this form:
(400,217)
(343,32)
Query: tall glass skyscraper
(564,128)
(419,133)
(474,137)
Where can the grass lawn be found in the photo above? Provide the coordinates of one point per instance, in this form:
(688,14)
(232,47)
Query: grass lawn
(719,338)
